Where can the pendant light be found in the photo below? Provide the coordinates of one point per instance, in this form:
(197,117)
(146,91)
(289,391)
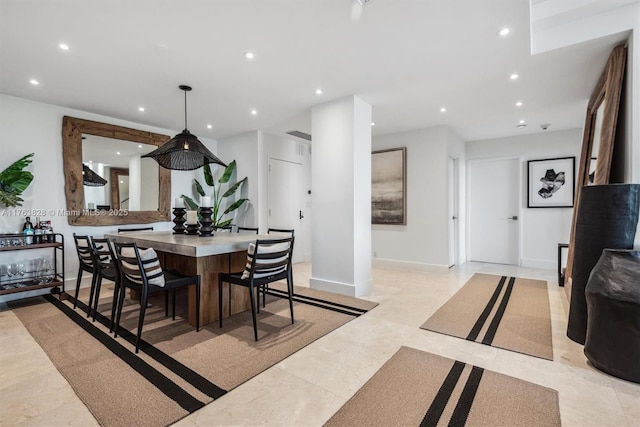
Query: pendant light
(90,178)
(184,151)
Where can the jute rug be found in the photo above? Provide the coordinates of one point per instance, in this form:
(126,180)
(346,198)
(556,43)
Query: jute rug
(507,312)
(178,370)
(418,388)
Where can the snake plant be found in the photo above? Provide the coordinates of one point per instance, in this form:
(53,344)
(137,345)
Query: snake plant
(14,180)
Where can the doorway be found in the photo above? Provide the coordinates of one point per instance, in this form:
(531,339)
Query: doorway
(494,211)
(452,190)
(286,199)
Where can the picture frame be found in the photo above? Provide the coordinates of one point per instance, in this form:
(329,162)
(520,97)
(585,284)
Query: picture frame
(551,183)
(389,186)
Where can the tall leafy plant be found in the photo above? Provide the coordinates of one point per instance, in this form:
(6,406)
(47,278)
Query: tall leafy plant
(14,180)
(219,198)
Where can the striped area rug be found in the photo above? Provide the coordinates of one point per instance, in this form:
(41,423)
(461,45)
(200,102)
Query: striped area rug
(506,312)
(419,388)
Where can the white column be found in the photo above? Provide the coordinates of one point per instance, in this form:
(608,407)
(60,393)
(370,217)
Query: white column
(341,197)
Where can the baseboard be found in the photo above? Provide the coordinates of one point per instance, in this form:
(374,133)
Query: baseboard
(408,265)
(540,263)
(347,289)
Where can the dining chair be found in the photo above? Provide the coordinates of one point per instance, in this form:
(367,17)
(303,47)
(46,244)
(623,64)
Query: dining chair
(290,232)
(140,270)
(247,230)
(105,264)
(267,261)
(85,263)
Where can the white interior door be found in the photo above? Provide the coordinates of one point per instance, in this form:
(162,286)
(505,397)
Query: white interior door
(285,200)
(452,183)
(494,210)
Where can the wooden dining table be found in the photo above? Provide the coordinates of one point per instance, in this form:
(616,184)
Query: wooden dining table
(206,256)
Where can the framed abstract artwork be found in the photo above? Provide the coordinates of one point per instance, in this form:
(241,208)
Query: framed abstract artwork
(551,183)
(389,186)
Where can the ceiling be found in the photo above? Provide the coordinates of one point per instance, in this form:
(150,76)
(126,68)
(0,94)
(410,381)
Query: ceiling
(408,59)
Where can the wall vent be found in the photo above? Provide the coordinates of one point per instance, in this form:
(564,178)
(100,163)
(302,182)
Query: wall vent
(299,134)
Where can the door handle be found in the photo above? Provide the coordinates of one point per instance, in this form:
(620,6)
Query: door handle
(301,215)
(454,217)
(514,218)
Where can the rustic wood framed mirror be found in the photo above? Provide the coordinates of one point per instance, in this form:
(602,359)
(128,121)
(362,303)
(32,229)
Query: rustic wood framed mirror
(598,138)
(73,130)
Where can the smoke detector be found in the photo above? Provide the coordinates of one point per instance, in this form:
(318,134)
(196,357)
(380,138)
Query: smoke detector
(545,126)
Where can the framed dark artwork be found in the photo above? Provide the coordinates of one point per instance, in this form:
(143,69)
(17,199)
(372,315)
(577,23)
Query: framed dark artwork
(389,186)
(551,183)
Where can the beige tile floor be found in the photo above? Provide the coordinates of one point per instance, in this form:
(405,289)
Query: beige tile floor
(312,384)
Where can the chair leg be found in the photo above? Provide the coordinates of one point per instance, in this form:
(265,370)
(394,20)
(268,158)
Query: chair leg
(114,305)
(290,292)
(75,298)
(143,309)
(166,303)
(219,297)
(253,311)
(119,310)
(96,296)
(173,305)
(94,280)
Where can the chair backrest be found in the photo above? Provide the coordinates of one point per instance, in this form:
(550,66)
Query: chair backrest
(103,254)
(124,230)
(136,269)
(270,259)
(247,230)
(85,254)
(226,228)
(281,231)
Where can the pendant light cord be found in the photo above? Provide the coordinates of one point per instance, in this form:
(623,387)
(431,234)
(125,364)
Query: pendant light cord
(185,109)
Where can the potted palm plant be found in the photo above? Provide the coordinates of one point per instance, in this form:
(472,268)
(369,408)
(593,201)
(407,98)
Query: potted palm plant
(221,199)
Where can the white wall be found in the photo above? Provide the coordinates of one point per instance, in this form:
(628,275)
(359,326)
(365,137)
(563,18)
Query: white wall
(29,127)
(542,229)
(423,242)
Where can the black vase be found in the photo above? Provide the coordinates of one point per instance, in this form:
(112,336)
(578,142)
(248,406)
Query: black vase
(613,304)
(607,218)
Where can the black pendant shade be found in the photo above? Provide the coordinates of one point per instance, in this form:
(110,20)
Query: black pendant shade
(184,151)
(90,178)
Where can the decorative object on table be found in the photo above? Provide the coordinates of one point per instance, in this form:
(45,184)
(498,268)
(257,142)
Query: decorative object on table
(607,218)
(179,220)
(205,222)
(218,197)
(612,342)
(389,186)
(192,222)
(184,151)
(551,182)
(14,180)
(92,179)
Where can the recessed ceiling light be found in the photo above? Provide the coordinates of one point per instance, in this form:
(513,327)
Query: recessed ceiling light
(373,123)
(121,182)
(209,126)
(519,104)
(140,109)
(318,91)
(90,161)
(118,153)
(503,32)
(63,46)
(522,122)
(254,112)
(442,110)
(34,82)
(249,55)
(514,76)
(139,145)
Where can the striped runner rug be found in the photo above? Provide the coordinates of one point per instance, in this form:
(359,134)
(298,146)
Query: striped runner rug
(506,312)
(419,388)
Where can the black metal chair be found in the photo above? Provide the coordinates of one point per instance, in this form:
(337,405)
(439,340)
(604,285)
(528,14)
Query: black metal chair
(267,261)
(247,230)
(124,230)
(140,270)
(105,264)
(290,232)
(86,263)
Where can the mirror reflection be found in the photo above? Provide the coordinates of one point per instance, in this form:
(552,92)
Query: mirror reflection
(132,181)
(595,142)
